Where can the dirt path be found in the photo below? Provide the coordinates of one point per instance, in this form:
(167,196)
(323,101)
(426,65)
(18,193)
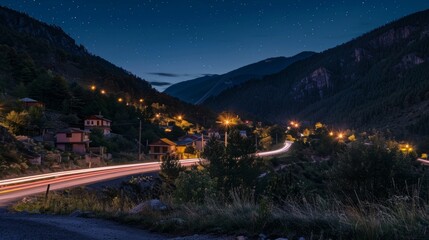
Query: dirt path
(35,226)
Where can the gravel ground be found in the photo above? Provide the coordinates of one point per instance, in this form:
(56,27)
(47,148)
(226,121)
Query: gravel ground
(38,226)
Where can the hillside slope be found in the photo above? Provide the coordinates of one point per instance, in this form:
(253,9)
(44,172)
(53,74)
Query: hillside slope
(377,80)
(30,50)
(199,89)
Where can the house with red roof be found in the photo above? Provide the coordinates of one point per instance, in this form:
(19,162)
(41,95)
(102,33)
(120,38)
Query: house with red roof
(98,122)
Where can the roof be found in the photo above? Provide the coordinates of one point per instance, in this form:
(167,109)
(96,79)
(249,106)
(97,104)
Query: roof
(185,142)
(99,117)
(163,142)
(28,100)
(191,137)
(73,130)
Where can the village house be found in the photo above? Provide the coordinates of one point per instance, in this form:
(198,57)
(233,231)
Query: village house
(197,141)
(73,140)
(98,122)
(181,148)
(161,148)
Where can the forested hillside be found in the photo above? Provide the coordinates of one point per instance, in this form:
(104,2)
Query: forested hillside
(377,80)
(41,61)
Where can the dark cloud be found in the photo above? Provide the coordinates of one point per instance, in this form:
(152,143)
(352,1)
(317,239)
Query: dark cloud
(208,75)
(163,74)
(160,84)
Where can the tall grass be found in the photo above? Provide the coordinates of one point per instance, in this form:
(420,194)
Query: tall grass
(318,218)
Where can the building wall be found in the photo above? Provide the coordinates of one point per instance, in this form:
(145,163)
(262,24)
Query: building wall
(79,148)
(75,137)
(96,122)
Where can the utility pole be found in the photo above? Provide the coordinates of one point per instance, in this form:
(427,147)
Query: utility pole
(202,142)
(256,142)
(140,139)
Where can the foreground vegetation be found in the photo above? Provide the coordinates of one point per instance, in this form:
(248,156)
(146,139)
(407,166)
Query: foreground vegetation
(363,187)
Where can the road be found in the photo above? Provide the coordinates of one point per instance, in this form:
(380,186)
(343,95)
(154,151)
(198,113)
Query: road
(12,189)
(282,150)
(16,188)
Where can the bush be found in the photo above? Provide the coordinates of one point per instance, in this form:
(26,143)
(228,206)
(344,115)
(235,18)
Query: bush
(194,186)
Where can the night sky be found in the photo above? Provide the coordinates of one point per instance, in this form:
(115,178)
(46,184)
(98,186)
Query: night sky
(176,40)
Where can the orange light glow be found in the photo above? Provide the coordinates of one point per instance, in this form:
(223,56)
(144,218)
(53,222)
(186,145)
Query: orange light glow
(120,100)
(103,91)
(93,87)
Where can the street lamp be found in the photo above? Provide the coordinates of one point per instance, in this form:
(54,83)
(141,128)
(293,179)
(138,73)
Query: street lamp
(93,87)
(140,139)
(103,91)
(227,122)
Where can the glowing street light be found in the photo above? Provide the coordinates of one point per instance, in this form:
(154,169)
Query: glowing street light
(340,136)
(331,133)
(226,122)
(93,87)
(120,100)
(141,100)
(103,91)
(294,124)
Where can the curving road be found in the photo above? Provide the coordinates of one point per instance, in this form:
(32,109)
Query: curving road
(16,188)
(12,189)
(282,150)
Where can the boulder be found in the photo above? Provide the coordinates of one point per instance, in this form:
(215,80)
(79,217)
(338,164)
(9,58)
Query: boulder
(153,204)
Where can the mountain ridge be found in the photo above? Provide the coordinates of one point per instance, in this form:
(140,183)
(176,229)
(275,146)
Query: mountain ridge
(364,82)
(213,85)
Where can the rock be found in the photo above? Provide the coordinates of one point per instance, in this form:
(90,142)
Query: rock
(154,204)
(262,236)
(76,213)
(301,238)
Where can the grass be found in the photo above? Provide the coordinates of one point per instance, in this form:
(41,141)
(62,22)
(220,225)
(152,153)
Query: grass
(398,218)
